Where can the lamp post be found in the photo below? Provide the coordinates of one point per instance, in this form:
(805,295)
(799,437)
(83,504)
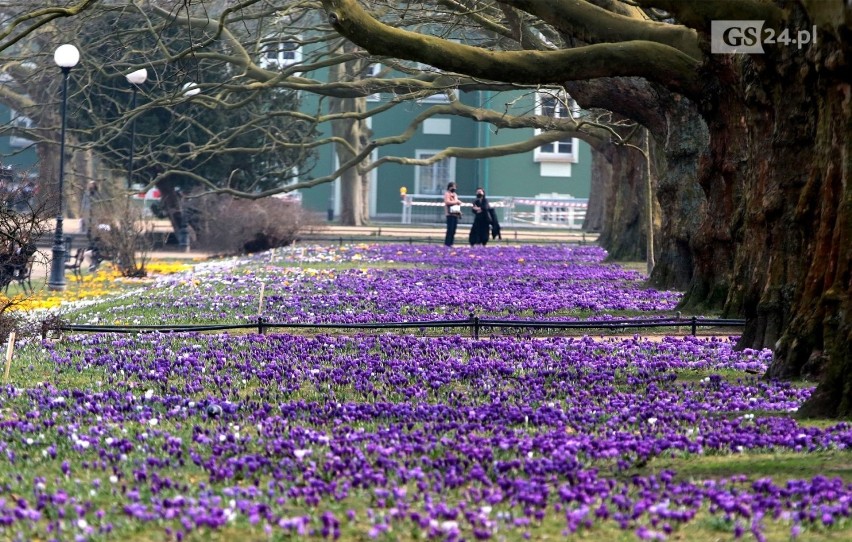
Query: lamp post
(135,79)
(189,90)
(66,57)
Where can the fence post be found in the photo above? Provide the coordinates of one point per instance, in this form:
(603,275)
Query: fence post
(261,329)
(694,325)
(474,326)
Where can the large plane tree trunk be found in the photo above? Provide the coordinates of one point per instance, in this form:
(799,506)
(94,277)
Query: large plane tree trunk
(624,233)
(778,186)
(681,135)
(354,132)
(597,212)
(721,176)
(682,202)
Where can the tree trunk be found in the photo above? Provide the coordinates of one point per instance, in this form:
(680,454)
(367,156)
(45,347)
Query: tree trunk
(76,178)
(818,338)
(596,214)
(171,204)
(350,195)
(353,204)
(778,187)
(677,127)
(720,176)
(681,199)
(365,191)
(624,234)
(48,172)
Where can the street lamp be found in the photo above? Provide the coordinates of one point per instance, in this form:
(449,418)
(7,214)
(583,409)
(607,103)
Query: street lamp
(66,57)
(189,90)
(135,79)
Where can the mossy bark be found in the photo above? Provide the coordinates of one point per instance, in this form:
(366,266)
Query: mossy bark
(682,202)
(777,239)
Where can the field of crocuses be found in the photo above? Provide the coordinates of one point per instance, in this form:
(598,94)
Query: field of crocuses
(391,283)
(174,436)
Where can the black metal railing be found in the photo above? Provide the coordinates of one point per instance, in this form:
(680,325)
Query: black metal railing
(473,322)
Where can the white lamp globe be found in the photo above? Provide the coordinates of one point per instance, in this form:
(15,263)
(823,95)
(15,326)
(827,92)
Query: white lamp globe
(190,89)
(66,56)
(138,77)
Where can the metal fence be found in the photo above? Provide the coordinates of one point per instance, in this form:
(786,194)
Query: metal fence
(555,212)
(474,323)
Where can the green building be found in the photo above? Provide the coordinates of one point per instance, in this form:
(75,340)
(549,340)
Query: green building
(555,170)
(562,168)
(16,153)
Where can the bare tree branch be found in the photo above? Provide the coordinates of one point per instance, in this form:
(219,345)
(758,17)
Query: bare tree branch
(653,61)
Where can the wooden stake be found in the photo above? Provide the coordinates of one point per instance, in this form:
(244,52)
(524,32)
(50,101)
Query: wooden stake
(9,350)
(260,301)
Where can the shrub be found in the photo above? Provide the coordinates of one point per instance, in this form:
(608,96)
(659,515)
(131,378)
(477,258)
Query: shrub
(225,223)
(121,233)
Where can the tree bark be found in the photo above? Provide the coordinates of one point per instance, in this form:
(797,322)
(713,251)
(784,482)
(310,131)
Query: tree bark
(353,135)
(351,185)
(623,235)
(171,203)
(48,172)
(776,241)
(682,202)
(818,338)
(720,175)
(597,212)
(681,138)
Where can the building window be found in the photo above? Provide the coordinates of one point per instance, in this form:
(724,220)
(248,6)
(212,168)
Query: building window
(280,53)
(373,69)
(437,126)
(556,106)
(433,178)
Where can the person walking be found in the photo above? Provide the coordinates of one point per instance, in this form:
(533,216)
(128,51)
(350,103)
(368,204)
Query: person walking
(452,210)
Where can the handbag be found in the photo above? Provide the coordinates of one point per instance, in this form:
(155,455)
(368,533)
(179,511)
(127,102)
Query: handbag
(455,209)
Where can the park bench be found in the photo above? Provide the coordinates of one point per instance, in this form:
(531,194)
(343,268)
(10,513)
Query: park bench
(17,266)
(74,264)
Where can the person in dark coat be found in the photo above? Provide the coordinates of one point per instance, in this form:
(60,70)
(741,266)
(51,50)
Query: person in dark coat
(479,232)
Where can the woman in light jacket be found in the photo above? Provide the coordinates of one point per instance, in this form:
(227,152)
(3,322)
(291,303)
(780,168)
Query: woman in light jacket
(452,209)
